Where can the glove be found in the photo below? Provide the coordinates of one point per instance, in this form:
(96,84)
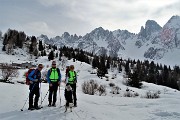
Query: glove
(50,85)
(40,80)
(59,83)
(75,80)
(36,80)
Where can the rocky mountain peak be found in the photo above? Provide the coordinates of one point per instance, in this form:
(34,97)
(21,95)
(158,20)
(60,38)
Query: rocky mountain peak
(174,18)
(173,22)
(65,35)
(151,26)
(154,40)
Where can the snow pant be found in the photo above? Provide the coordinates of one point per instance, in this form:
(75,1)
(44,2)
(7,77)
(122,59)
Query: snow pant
(34,89)
(73,86)
(53,92)
(68,97)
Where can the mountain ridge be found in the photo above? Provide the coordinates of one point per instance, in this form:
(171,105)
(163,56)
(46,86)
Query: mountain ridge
(152,42)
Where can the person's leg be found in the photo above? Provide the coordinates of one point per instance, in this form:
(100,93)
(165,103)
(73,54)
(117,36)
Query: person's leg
(55,94)
(74,94)
(50,95)
(67,105)
(31,94)
(37,94)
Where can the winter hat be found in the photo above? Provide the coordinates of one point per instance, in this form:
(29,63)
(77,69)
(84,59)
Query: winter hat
(53,62)
(71,67)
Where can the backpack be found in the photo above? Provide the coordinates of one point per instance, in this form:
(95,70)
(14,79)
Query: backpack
(67,71)
(27,73)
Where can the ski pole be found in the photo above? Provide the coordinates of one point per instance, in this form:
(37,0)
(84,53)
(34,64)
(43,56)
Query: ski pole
(44,97)
(24,104)
(41,93)
(59,96)
(28,97)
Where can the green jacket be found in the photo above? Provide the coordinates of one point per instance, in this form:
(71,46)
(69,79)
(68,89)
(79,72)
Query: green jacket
(72,78)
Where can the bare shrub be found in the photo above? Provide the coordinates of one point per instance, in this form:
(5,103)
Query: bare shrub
(90,87)
(152,95)
(136,94)
(165,90)
(111,84)
(114,76)
(128,94)
(8,72)
(126,81)
(115,90)
(102,90)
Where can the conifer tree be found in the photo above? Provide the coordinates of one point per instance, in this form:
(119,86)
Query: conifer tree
(51,56)
(40,46)
(151,73)
(4,48)
(127,69)
(165,75)
(135,82)
(120,68)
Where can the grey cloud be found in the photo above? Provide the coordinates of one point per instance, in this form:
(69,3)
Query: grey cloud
(75,16)
(173,8)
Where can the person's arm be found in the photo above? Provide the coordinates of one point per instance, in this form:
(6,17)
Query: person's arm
(67,77)
(47,77)
(30,76)
(76,76)
(59,79)
(40,76)
(65,94)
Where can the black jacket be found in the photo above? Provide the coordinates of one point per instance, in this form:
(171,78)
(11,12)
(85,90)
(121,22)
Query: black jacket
(68,95)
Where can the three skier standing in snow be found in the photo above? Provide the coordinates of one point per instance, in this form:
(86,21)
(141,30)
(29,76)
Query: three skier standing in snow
(54,79)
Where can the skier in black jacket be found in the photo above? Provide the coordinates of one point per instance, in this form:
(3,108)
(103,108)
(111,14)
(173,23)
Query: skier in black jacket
(68,96)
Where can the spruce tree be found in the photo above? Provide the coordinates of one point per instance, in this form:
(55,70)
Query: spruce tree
(165,74)
(108,63)
(151,73)
(40,46)
(51,56)
(120,68)
(4,48)
(127,69)
(44,53)
(135,82)
(31,49)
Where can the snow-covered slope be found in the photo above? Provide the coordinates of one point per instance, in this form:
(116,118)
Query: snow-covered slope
(109,107)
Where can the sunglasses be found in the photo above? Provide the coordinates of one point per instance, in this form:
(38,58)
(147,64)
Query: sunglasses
(53,64)
(40,67)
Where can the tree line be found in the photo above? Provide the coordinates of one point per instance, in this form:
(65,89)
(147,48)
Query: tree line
(136,71)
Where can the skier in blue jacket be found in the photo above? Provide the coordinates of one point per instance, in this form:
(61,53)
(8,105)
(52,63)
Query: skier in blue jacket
(35,79)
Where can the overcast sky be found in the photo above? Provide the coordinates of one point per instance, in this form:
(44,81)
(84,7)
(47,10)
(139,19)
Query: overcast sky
(54,17)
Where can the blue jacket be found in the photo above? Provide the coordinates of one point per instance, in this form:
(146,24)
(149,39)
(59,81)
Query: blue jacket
(49,73)
(33,76)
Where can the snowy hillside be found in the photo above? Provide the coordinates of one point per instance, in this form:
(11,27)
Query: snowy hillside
(153,42)
(90,107)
